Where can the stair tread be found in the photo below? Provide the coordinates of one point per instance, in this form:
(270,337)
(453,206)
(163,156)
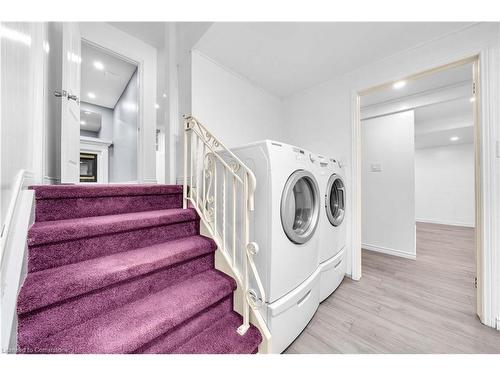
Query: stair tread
(102,190)
(222,338)
(46,287)
(45,232)
(127,328)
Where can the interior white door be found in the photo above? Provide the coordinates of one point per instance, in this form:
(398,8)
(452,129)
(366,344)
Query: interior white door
(70,108)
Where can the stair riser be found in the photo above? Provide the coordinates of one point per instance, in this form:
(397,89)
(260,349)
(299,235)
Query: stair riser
(57,254)
(52,319)
(172,340)
(72,208)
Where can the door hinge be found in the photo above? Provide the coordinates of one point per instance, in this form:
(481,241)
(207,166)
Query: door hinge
(475,282)
(473,88)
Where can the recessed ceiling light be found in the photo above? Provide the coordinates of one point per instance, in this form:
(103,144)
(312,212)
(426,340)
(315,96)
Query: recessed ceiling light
(472,99)
(399,85)
(454,138)
(157,106)
(98,65)
(164,95)
(82,122)
(91,95)
(87,112)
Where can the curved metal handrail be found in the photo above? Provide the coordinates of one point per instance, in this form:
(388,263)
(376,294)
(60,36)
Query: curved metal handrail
(253,181)
(207,208)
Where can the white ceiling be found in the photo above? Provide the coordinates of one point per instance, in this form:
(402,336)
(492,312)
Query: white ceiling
(436,124)
(107,84)
(152,33)
(439,116)
(449,77)
(284,58)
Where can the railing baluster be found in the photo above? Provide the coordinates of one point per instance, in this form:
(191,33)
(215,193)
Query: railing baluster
(194,134)
(196,172)
(215,197)
(246,239)
(184,187)
(203,196)
(224,210)
(234,221)
(191,183)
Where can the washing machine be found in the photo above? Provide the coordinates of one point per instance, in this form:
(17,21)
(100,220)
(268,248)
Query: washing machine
(284,224)
(332,226)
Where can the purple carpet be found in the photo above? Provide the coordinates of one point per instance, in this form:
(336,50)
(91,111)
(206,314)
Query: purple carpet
(124,269)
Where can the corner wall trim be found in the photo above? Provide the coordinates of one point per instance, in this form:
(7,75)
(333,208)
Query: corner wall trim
(388,251)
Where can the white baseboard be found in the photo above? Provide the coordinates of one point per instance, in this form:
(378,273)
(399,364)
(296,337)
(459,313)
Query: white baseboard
(446,222)
(51,180)
(389,251)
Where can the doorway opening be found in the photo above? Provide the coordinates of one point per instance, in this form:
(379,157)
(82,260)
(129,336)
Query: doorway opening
(418,159)
(109,116)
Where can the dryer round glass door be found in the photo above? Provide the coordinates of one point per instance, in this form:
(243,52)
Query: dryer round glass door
(300,206)
(335,200)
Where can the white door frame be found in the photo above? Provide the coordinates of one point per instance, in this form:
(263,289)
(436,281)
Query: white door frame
(118,42)
(70,108)
(486,180)
(99,147)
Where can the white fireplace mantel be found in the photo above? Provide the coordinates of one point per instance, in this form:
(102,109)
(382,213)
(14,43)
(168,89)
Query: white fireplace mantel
(100,148)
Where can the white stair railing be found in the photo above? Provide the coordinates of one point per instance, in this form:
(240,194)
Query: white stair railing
(212,173)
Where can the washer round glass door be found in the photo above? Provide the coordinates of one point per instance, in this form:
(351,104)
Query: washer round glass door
(300,206)
(335,200)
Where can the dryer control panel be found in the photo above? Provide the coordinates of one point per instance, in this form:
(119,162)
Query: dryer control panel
(300,155)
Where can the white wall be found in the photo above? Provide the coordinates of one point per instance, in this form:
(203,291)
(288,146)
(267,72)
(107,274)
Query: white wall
(444,185)
(235,110)
(22,62)
(123,153)
(106,131)
(388,179)
(23,72)
(318,119)
(186,35)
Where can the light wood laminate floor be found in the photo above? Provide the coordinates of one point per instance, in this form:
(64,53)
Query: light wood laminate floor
(406,306)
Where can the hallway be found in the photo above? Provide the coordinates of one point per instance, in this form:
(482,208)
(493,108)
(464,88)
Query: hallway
(406,306)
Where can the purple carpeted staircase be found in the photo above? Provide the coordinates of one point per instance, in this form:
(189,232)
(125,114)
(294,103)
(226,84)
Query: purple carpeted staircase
(124,269)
